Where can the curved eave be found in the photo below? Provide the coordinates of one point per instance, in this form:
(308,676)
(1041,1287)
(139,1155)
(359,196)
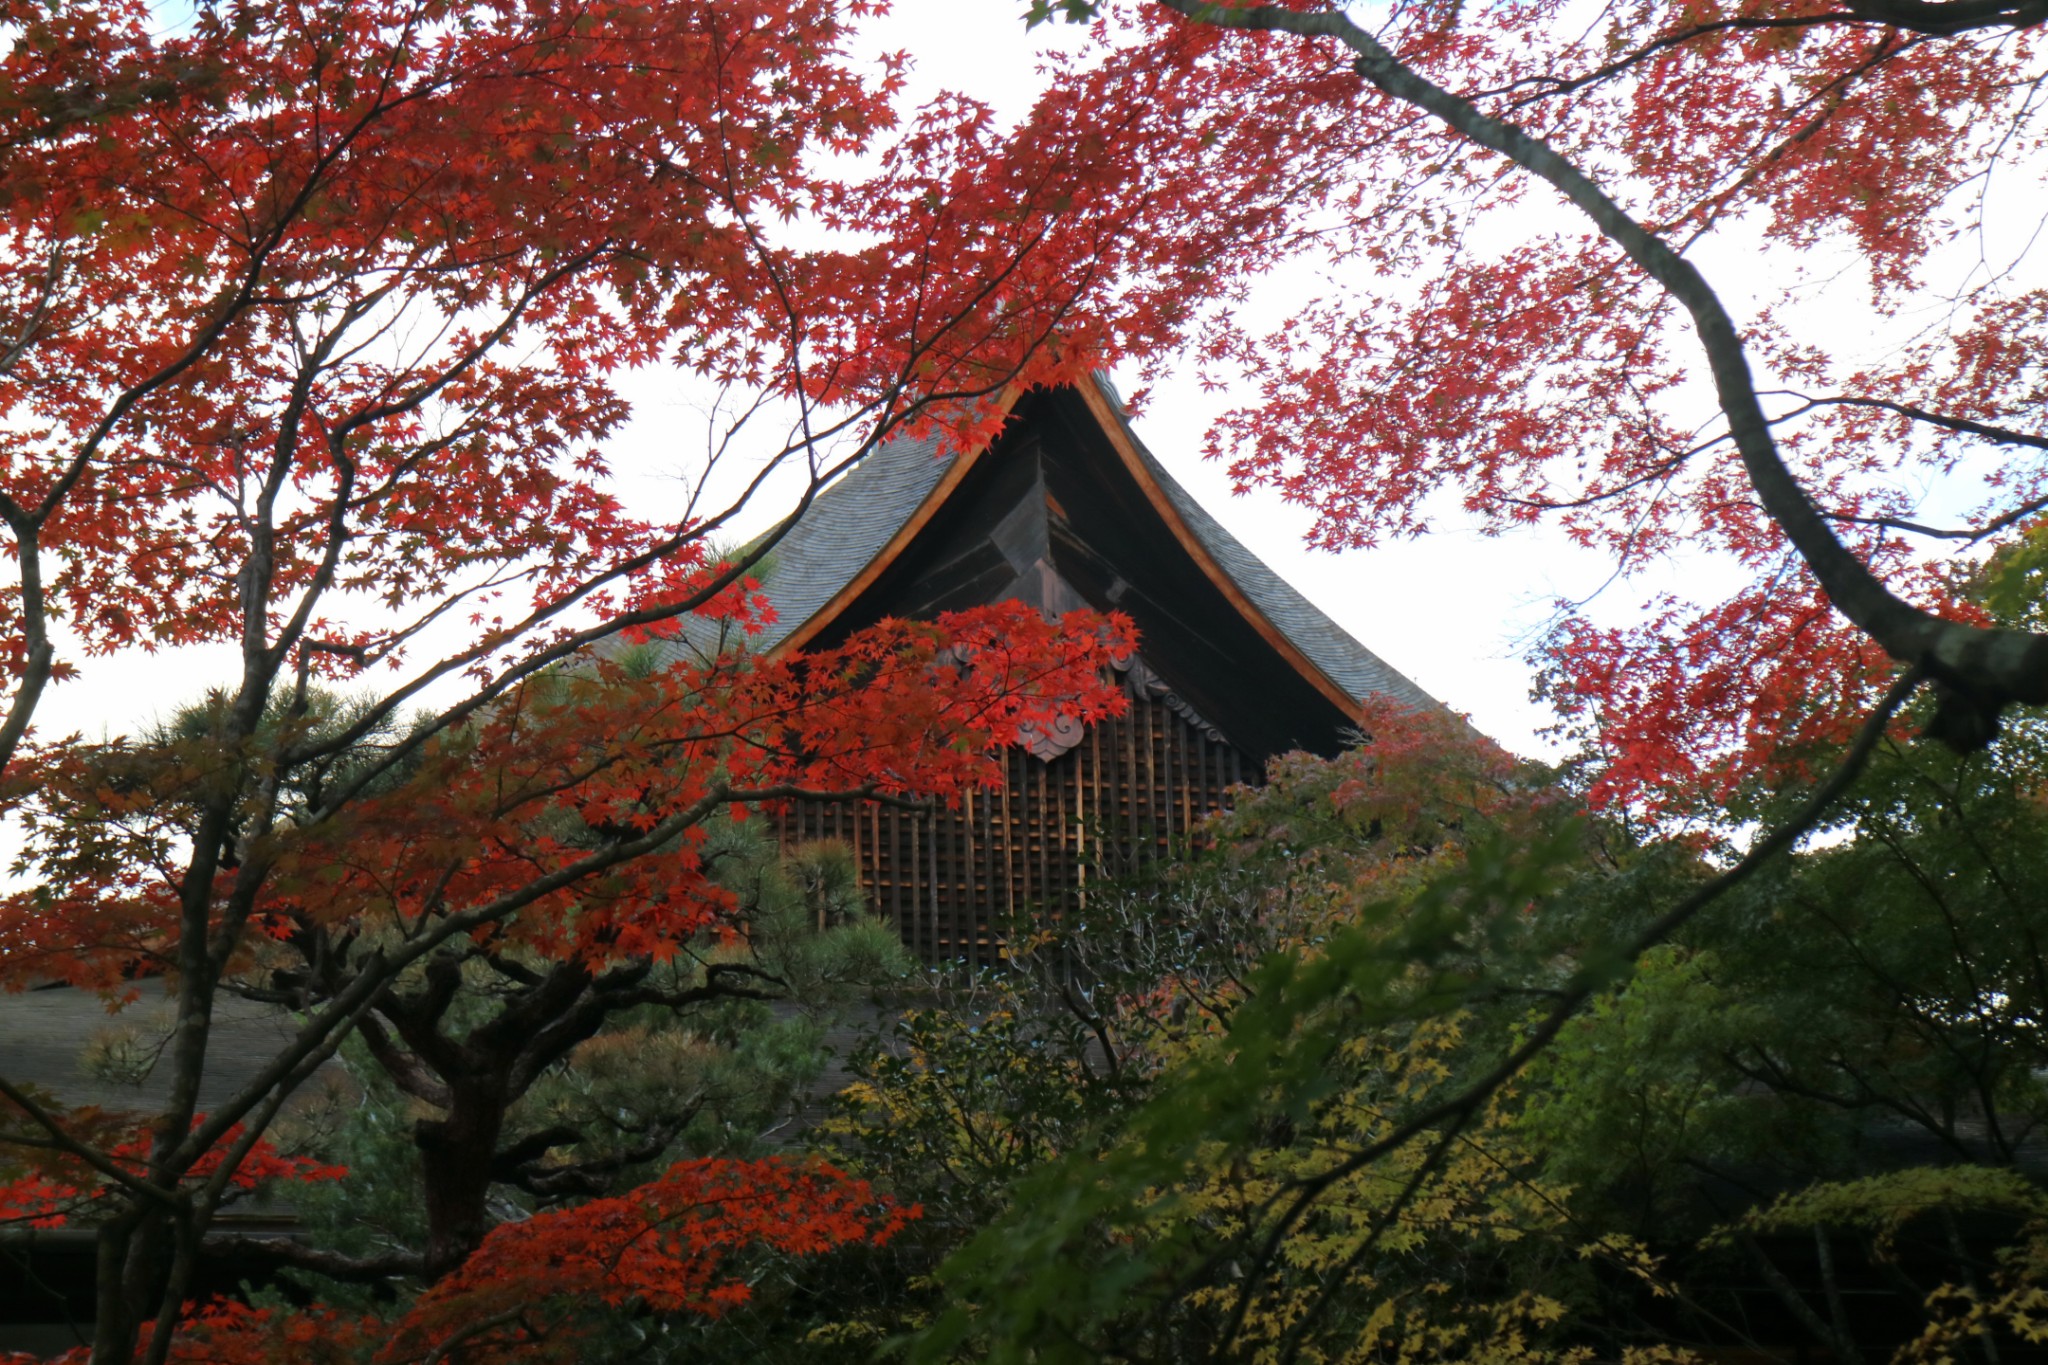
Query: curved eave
(1109,418)
(1105,414)
(821,619)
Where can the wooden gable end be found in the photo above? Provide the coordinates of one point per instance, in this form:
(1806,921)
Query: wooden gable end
(1053,514)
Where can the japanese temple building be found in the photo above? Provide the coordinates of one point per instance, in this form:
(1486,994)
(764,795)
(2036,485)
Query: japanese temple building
(1065,509)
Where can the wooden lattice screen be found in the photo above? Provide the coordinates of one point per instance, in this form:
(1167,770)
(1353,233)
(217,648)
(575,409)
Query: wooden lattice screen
(950,878)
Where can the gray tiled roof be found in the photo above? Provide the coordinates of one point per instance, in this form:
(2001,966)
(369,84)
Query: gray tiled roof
(846,526)
(854,518)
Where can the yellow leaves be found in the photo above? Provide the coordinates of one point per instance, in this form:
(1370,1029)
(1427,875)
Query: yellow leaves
(854,1333)
(1631,1257)
(1411,1244)
(2026,1314)
(1959,1319)
(860,1095)
(1884,1204)
(1657,1355)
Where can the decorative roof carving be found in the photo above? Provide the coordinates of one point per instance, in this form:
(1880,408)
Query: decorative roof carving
(1140,681)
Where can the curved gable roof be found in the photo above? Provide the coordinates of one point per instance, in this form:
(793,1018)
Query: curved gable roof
(859,524)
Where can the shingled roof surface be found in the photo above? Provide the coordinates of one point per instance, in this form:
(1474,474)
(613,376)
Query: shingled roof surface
(847,525)
(853,519)
(1343,660)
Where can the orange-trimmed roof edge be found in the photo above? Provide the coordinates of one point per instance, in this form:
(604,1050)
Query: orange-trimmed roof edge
(824,616)
(1106,410)
(1108,415)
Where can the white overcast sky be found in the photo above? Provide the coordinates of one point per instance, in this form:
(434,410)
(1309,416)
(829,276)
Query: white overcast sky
(1454,610)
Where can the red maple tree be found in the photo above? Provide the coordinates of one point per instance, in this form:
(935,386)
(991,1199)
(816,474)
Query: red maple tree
(536,1290)
(311,318)
(1525,221)
(311,324)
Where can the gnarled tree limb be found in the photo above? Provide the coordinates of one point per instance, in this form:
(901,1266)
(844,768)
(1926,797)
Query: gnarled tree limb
(1977,672)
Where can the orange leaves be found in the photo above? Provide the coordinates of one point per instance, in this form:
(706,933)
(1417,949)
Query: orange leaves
(1462,337)
(36,1201)
(667,1247)
(210,267)
(61,1186)
(227,1332)
(537,1289)
(569,818)
(312,319)
(1681,711)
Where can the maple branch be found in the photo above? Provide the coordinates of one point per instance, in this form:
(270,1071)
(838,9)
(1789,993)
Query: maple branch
(350,1005)
(59,111)
(574,642)
(1970,534)
(1826,101)
(322,1035)
(1947,18)
(1566,85)
(1662,471)
(2014,15)
(404,1068)
(1327,1292)
(259,568)
(333,1264)
(1997,435)
(40,656)
(474,1330)
(16,347)
(302,1071)
(1977,671)
(91,1156)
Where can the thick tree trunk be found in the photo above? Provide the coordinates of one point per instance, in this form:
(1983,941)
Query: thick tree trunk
(133,1261)
(456,1160)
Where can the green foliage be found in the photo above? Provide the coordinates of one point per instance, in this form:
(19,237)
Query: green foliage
(2013,584)
(957,1104)
(1229,1113)
(1071,11)
(1884,1205)
(1634,1090)
(357,1119)
(1299,1168)
(1901,970)
(1345,960)
(1859,1010)
(1106,1233)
